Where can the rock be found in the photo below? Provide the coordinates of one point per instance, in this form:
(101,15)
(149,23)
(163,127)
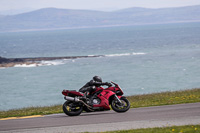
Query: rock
(10,62)
(4,60)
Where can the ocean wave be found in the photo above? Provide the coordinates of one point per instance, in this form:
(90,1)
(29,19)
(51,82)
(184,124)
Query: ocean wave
(64,61)
(91,55)
(53,62)
(125,54)
(43,63)
(26,65)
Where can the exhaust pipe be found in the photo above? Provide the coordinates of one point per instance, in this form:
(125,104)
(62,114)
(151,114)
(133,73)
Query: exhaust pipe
(71,99)
(76,99)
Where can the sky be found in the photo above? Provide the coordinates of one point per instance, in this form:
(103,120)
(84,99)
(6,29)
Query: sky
(103,5)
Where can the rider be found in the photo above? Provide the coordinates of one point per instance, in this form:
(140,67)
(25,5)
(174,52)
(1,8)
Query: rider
(92,84)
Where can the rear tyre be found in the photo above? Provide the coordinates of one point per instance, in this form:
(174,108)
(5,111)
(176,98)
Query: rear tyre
(72,109)
(118,107)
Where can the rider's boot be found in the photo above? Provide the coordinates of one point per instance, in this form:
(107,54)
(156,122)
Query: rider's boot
(87,98)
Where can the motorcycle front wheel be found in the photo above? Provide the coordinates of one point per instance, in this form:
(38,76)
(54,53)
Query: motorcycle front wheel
(72,109)
(120,107)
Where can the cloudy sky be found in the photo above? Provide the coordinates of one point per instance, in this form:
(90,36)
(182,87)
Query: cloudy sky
(105,5)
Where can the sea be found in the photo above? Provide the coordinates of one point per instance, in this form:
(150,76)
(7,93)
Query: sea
(142,59)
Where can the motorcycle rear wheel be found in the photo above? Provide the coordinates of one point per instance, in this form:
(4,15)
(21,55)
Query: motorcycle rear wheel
(120,108)
(72,109)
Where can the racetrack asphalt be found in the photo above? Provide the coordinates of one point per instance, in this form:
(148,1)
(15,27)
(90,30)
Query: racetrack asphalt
(157,116)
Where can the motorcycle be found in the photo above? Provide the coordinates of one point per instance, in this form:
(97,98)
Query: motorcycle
(99,100)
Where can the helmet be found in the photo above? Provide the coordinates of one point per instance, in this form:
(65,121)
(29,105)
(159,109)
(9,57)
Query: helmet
(97,78)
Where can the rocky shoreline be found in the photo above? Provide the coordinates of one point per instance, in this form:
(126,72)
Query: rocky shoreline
(11,62)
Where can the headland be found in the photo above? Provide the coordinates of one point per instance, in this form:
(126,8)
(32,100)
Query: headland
(11,62)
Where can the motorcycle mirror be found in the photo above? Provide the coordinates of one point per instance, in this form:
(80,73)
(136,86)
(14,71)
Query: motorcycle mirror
(114,83)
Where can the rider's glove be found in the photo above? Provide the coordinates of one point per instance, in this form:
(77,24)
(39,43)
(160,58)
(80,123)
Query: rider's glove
(108,84)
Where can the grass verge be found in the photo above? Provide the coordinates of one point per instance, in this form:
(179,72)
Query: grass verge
(156,99)
(165,98)
(173,129)
(32,111)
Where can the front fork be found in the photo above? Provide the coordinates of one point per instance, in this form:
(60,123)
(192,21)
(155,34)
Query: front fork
(118,100)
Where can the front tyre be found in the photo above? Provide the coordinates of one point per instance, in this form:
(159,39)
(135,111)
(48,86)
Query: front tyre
(72,109)
(120,107)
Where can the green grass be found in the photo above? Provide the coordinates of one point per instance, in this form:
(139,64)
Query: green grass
(173,129)
(32,111)
(165,98)
(156,99)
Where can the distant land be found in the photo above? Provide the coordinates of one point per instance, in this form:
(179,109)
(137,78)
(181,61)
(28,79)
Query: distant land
(11,62)
(53,18)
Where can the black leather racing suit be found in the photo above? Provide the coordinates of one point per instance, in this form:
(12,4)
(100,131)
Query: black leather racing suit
(89,87)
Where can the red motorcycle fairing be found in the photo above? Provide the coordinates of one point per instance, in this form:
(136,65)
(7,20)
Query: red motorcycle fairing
(104,96)
(71,93)
(104,102)
(117,90)
(98,89)
(107,93)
